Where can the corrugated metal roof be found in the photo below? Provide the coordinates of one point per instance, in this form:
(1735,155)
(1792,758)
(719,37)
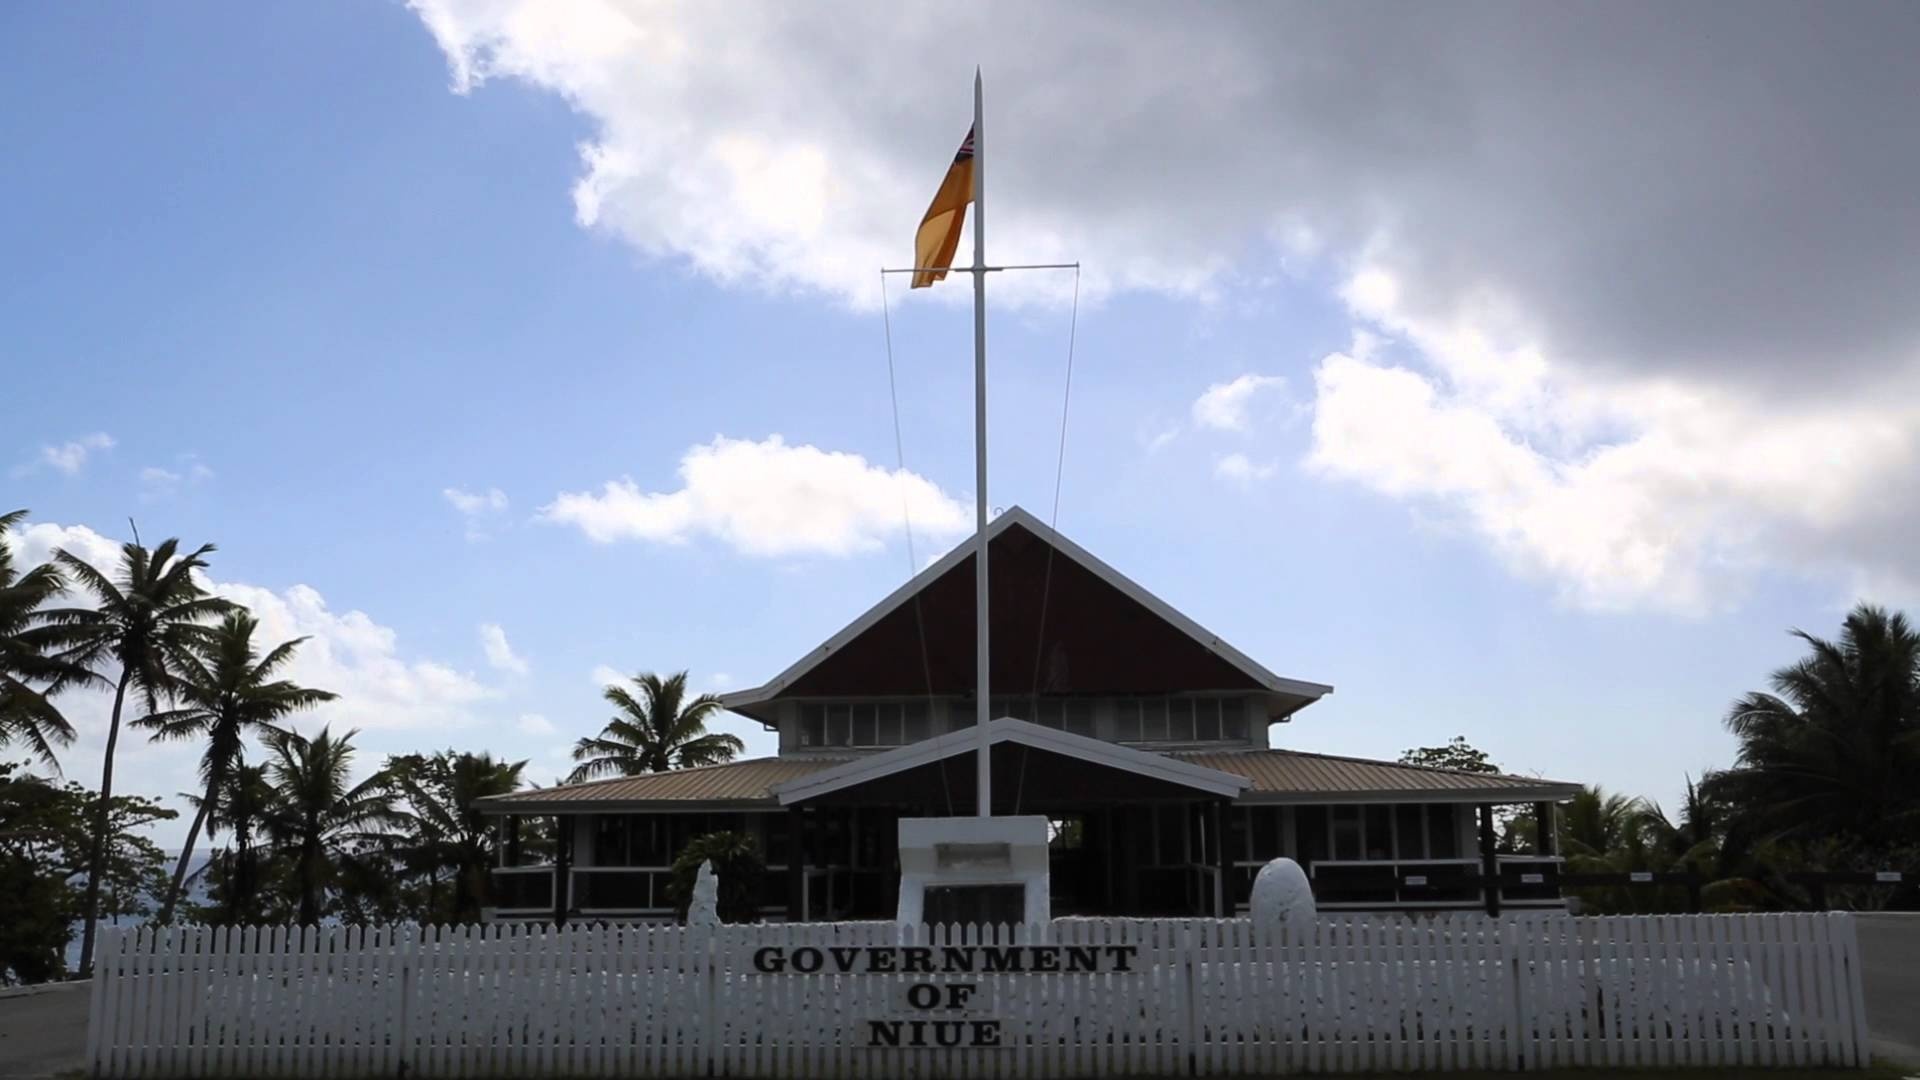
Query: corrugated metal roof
(1276,775)
(751,780)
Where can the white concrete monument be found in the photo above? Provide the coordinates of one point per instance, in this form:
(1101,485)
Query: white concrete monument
(704,909)
(1282,897)
(974,869)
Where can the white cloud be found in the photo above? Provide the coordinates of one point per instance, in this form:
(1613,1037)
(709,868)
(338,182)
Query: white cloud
(500,655)
(493,500)
(346,652)
(534,724)
(1224,406)
(768,499)
(68,457)
(478,508)
(1632,493)
(1240,469)
(604,675)
(720,681)
(381,688)
(1647,342)
(161,483)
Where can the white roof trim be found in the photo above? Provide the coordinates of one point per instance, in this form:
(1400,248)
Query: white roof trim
(1018,516)
(1007,729)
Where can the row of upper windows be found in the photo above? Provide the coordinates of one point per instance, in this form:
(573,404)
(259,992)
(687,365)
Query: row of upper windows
(1151,719)
(885,723)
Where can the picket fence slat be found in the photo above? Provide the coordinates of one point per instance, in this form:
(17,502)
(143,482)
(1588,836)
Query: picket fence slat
(1192,997)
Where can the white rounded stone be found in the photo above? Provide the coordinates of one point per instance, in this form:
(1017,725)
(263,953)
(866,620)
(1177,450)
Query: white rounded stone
(1282,896)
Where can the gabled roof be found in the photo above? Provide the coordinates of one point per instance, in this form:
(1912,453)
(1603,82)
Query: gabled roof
(1162,767)
(1287,694)
(1293,776)
(747,783)
(1266,776)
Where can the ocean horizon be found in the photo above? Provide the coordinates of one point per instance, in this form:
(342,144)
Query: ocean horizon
(196,893)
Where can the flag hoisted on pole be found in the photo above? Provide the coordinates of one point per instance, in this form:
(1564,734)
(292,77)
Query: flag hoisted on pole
(939,236)
(934,246)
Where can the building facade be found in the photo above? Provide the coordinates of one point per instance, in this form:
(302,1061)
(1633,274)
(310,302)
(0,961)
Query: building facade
(1145,739)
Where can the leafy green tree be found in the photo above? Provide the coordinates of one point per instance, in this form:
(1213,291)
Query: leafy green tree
(225,694)
(29,655)
(45,838)
(146,621)
(1833,750)
(322,819)
(737,866)
(438,837)
(1514,827)
(655,731)
(1457,754)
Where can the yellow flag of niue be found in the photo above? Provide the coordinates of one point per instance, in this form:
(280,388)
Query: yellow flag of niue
(939,235)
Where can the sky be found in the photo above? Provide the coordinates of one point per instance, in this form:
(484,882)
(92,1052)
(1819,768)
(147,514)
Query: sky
(1526,379)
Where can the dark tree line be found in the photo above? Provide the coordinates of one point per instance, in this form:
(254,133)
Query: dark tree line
(299,838)
(1824,780)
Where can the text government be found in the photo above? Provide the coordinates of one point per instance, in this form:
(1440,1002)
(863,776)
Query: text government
(943,960)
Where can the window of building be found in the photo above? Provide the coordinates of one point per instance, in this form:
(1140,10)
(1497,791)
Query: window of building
(1180,719)
(1170,828)
(1267,837)
(1072,715)
(634,839)
(1379,832)
(917,718)
(1443,835)
(885,723)
(1346,832)
(1410,832)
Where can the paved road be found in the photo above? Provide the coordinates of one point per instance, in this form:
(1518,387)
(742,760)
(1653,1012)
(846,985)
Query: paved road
(45,1033)
(1890,974)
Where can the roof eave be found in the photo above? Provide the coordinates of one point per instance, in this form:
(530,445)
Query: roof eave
(1547,792)
(1306,693)
(542,808)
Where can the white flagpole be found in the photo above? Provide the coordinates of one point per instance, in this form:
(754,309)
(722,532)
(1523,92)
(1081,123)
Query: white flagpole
(984,780)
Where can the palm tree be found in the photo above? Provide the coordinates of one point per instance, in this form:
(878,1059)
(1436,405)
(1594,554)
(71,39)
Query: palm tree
(1596,825)
(244,809)
(29,653)
(1832,752)
(225,695)
(438,833)
(654,732)
(146,620)
(323,816)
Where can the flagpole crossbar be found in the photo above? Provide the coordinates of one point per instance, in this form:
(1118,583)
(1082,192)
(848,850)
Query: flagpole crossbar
(970,270)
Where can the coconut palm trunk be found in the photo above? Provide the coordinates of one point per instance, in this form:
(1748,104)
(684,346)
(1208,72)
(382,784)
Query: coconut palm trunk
(186,853)
(144,620)
(97,844)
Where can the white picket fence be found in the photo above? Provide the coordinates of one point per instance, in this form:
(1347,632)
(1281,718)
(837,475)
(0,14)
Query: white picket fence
(1196,997)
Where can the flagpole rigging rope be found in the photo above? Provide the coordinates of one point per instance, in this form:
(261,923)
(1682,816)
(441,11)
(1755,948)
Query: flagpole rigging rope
(906,517)
(1053,520)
